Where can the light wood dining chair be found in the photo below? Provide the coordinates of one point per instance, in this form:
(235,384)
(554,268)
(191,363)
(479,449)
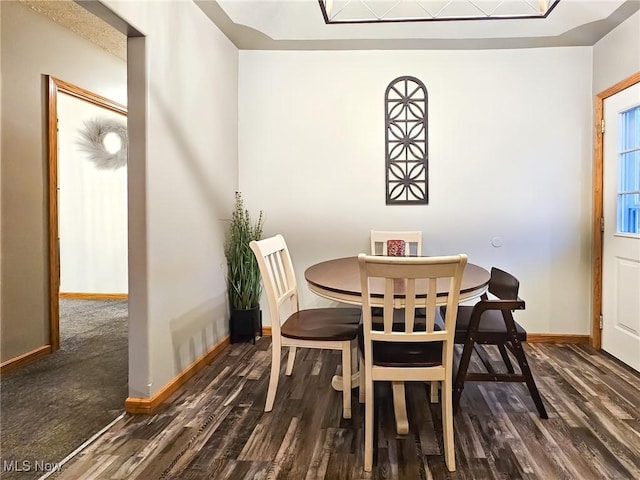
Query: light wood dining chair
(412,239)
(332,328)
(411,354)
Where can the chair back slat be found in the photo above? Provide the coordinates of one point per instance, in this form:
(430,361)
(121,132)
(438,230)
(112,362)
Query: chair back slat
(431,304)
(387,313)
(278,273)
(410,304)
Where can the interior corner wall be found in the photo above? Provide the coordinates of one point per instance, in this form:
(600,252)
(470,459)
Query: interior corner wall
(183,125)
(509,159)
(617,55)
(33,46)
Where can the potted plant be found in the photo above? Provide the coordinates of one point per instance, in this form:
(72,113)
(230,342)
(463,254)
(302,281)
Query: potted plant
(243,274)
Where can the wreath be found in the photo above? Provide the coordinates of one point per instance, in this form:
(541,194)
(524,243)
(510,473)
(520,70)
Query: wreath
(92,142)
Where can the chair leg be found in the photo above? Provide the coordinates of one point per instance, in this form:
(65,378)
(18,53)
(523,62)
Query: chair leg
(505,358)
(368,424)
(447,425)
(484,358)
(346,379)
(528,376)
(354,356)
(376,422)
(458,386)
(361,388)
(275,375)
(290,361)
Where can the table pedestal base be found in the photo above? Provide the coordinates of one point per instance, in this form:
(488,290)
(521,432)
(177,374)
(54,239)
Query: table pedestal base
(336,381)
(400,408)
(399,400)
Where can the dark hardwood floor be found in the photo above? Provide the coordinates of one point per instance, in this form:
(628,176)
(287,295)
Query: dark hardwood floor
(215,428)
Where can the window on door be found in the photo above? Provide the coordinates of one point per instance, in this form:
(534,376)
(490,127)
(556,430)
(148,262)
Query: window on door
(629,172)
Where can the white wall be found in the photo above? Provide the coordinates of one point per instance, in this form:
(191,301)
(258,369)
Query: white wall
(510,156)
(617,55)
(92,207)
(182,170)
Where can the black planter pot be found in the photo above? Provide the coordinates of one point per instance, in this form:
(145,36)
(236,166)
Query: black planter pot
(245,325)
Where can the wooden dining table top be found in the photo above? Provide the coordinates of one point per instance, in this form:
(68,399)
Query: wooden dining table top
(339,279)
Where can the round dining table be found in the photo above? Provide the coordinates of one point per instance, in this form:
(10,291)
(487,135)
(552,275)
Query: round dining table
(339,280)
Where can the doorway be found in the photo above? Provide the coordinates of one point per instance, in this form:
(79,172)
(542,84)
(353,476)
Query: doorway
(616,307)
(621,234)
(95,188)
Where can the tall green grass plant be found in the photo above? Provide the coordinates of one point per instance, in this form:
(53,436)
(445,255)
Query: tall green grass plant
(243,274)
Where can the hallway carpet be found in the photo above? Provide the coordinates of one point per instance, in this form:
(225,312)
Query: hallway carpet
(50,407)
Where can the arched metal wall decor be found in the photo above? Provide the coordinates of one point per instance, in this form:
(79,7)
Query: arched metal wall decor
(406,142)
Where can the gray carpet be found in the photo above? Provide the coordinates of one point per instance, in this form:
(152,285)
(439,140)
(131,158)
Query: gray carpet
(53,405)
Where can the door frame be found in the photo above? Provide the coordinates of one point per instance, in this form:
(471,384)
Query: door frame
(55,86)
(598,199)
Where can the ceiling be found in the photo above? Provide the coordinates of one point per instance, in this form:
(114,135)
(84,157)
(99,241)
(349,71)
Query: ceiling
(80,21)
(300,25)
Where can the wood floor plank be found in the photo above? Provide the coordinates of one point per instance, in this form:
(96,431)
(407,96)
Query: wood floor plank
(216,428)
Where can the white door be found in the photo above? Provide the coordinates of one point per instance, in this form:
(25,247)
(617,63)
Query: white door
(621,241)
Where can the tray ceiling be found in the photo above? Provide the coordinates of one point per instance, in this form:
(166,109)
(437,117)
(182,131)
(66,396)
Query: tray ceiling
(299,24)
